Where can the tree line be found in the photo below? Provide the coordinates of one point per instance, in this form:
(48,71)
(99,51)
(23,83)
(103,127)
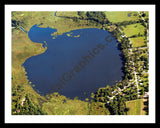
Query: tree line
(28,108)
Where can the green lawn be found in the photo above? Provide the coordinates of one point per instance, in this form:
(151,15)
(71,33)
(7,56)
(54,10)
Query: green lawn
(135,107)
(138,42)
(133,29)
(119,16)
(135,32)
(67,14)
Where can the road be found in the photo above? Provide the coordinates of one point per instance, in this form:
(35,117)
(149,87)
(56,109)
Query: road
(146,26)
(135,73)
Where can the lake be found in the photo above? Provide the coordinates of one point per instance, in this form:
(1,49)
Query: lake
(75,63)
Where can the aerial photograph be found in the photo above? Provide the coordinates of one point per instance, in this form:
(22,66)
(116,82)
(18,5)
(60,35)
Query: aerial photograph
(80,63)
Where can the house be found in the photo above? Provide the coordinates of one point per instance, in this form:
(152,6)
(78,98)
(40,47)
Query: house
(135,14)
(107,102)
(18,110)
(23,100)
(122,36)
(118,89)
(111,98)
(146,95)
(140,83)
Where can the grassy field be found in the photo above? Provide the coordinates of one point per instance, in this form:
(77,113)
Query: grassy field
(135,107)
(133,29)
(49,19)
(67,14)
(135,32)
(118,16)
(138,42)
(60,105)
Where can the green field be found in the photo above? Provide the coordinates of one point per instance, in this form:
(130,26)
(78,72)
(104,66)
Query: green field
(60,105)
(114,16)
(135,32)
(138,42)
(133,29)
(135,107)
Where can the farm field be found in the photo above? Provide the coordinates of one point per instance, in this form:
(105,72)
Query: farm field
(138,42)
(135,32)
(119,16)
(133,29)
(135,107)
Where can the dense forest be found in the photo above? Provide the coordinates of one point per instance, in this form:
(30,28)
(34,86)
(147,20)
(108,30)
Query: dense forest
(27,107)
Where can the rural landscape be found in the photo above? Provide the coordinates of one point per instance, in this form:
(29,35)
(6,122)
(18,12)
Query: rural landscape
(128,96)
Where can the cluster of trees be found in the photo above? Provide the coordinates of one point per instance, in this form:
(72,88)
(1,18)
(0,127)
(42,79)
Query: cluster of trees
(115,33)
(116,106)
(137,35)
(93,18)
(123,46)
(141,56)
(97,16)
(130,93)
(124,23)
(141,60)
(28,108)
(17,21)
(102,94)
(98,108)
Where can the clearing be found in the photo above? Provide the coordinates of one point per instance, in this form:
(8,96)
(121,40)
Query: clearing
(114,16)
(135,107)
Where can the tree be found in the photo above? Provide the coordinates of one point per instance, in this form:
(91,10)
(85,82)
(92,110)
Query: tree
(122,107)
(28,108)
(143,15)
(81,13)
(142,91)
(114,107)
(97,16)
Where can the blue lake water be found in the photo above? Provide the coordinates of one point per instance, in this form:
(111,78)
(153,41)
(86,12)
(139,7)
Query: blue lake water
(76,63)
